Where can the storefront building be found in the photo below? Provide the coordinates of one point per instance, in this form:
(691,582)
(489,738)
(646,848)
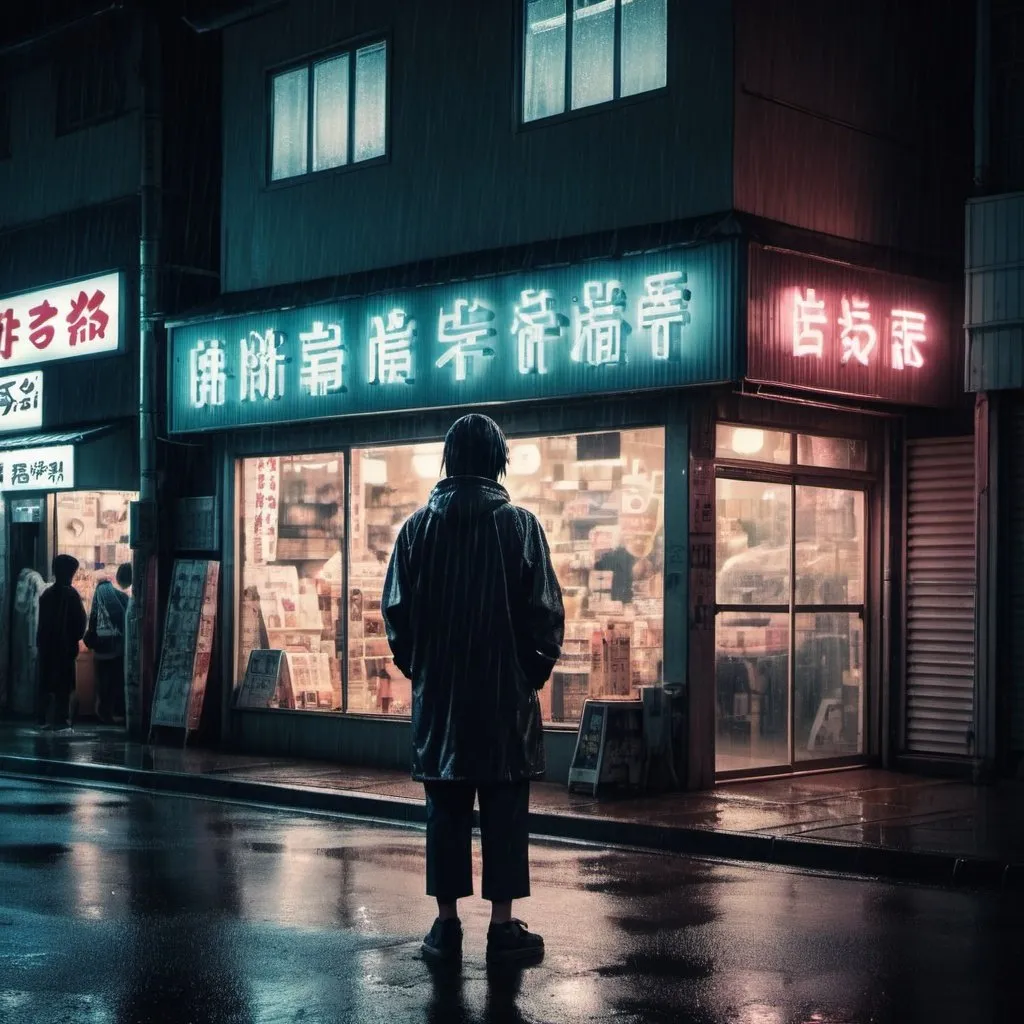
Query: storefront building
(706,432)
(68,465)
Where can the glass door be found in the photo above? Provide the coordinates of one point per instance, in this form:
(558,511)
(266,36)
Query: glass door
(789,629)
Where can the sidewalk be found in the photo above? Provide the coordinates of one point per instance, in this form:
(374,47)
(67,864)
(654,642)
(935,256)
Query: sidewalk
(932,831)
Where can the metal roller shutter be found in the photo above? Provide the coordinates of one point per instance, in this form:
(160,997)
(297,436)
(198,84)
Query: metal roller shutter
(941,593)
(1012,445)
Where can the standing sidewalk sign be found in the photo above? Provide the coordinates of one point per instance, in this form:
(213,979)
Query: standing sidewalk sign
(609,745)
(187,646)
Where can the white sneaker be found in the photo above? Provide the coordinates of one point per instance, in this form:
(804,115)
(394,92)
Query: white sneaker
(66,731)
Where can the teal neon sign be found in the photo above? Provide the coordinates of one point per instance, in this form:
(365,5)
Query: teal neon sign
(657,320)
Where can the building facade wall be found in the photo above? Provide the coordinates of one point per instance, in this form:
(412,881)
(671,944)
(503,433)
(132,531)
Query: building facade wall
(462,175)
(854,121)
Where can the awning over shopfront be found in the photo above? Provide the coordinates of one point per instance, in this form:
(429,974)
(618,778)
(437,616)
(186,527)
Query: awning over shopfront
(61,437)
(97,457)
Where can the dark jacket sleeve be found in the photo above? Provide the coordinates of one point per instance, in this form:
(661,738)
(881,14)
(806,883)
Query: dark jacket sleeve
(545,616)
(91,624)
(395,604)
(77,617)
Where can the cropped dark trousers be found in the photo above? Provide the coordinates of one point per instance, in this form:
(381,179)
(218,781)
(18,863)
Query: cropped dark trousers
(504,838)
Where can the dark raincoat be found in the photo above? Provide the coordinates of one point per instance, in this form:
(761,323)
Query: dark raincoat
(474,618)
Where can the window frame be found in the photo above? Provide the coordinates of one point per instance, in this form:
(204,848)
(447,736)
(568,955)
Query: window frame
(568,113)
(75,63)
(309,62)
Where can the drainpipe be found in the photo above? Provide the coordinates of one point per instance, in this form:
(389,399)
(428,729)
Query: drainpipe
(142,611)
(982,91)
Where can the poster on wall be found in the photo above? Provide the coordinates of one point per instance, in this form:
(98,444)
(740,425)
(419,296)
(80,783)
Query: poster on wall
(187,645)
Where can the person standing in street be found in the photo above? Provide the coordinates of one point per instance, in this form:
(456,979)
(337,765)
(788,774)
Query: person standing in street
(474,618)
(105,638)
(61,625)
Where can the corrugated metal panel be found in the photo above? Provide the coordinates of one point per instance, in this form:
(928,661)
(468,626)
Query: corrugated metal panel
(941,594)
(994,292)
(1013,565)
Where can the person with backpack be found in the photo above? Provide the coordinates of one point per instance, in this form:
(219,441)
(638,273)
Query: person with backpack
(105,638)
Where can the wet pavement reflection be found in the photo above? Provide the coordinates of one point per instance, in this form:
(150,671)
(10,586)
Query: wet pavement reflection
(123,907)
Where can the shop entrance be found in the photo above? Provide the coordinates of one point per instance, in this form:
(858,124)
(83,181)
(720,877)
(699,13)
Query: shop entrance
(790,607)
(92,526)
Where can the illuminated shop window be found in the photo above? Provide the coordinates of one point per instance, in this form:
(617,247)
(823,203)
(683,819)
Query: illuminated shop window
(599,498)
(329,113)
(613,48)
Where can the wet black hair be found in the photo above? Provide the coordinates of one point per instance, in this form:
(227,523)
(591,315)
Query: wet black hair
(475,446)
(124,575)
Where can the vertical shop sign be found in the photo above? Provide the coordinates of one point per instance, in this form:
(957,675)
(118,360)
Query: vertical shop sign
(702,593)
(261,510)
(187,645)
(204,646)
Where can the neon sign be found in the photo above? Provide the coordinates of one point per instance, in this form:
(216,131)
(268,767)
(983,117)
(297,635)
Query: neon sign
(858,336)
(830,327)
(627,325)
(391,348)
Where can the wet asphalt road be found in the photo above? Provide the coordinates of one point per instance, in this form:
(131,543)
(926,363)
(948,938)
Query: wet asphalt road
(119,907)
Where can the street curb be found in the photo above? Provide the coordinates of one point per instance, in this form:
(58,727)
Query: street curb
(913,866)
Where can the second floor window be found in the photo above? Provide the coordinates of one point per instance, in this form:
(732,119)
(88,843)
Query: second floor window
(578,53)
(89,80)
(329,112)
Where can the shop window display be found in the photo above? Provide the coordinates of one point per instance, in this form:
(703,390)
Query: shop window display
(291,528)
(92,526)
(599,497)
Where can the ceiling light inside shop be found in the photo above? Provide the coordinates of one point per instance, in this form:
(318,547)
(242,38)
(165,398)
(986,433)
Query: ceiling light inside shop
(426,461)
(746,441)
(375,472)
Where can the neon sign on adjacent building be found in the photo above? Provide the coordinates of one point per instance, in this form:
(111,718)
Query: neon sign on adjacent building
(64,321)
(640,323)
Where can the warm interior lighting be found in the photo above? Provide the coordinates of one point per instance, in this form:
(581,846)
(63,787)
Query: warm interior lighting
(524,460)
(747,441)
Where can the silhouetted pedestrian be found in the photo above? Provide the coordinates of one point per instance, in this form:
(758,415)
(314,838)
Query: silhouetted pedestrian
(474,618)
(61,625)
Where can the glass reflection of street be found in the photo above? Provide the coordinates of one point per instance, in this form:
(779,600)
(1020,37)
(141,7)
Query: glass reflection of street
(128,908)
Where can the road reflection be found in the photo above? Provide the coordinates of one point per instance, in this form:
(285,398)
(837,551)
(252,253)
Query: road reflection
(180,962)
